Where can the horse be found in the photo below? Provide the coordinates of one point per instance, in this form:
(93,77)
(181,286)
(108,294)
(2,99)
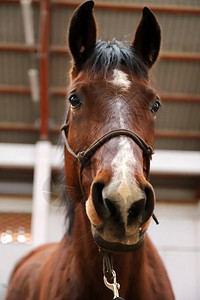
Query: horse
(108,143)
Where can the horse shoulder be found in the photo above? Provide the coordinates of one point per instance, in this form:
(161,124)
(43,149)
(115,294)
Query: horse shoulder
(59,277)
(24,279)
(159,282)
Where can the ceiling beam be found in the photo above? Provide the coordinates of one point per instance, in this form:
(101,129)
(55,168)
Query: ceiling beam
(177,134)
(11,2)
(159,134)
(179,56)
(182,98)
(62,50)
(110,6)
(14,47)
(18,127)
(18,90)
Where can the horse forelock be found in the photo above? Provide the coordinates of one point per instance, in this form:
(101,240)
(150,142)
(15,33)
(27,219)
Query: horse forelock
(113,54)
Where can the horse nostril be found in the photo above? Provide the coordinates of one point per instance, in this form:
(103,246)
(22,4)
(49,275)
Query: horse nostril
(104,207)
(142,208)
(113,209)
(135,211)
(97,199)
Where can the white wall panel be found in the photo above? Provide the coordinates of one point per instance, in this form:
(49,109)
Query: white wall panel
(178,242)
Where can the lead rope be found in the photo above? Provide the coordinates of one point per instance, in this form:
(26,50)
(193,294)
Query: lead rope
(110,277)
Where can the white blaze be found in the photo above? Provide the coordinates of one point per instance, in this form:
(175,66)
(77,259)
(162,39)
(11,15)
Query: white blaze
(123,188)
(123,185)
(120,80)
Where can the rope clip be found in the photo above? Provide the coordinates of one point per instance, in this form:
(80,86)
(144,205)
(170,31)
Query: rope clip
(112,286)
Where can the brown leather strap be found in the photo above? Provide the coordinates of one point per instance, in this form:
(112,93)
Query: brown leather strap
(83,156)
(64,130)
(107,265)
(147,150)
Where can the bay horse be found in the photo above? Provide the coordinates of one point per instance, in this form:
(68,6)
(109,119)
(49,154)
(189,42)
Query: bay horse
(108,136)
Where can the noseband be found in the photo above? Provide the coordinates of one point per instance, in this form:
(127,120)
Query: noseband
(84,156)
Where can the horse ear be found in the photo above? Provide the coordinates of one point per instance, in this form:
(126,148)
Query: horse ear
(147,38)
(82,32)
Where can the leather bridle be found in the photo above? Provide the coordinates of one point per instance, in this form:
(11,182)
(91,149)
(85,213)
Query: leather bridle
(84,156)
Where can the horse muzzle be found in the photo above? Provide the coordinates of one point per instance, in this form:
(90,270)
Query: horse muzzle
(120,215)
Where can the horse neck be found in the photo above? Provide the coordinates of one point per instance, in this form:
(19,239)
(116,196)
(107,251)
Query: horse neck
(85,249)
(128,266)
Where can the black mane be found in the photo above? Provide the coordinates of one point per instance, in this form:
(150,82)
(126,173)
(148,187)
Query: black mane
(112,54)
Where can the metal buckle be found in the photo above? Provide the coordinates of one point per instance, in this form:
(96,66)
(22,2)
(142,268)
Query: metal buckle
(112,286)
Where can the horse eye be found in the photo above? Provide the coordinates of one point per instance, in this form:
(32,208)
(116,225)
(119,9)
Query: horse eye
(75,101)
(155,107)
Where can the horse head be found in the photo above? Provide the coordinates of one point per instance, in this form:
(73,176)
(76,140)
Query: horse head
(113,108)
